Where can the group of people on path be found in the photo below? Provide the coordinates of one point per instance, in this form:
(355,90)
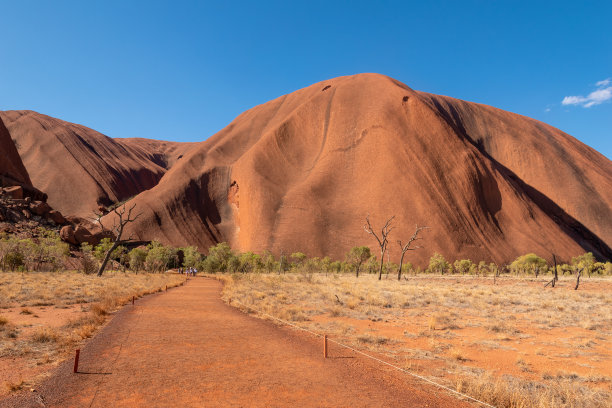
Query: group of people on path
(188,271)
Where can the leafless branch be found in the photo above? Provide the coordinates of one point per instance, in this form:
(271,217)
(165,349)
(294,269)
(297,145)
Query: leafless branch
(123,216)
(383,239)
(407,247)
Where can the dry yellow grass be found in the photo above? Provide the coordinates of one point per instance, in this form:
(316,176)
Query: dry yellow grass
(509,392)
(494,339)
(72,306)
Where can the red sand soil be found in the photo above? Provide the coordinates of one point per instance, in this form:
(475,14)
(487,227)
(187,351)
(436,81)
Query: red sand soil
(544,351)
(187,348)
(17,368)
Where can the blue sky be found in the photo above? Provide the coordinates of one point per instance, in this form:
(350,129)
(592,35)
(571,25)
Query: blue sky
(179,70)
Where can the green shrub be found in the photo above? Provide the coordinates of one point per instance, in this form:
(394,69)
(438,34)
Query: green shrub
(357,256)
(137,258)
(585,262)
(89,265)
(13,260)
(159,257)
(530,263)
(437,264)
(464,266)
(191,257)
(218,258)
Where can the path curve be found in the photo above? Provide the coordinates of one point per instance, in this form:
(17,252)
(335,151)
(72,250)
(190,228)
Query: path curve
(186,348)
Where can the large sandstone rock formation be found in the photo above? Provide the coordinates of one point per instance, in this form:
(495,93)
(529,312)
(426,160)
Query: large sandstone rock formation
(301,172)
(82,169)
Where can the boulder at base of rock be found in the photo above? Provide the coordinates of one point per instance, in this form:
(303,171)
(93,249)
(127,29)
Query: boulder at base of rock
(67,235)
(40,208)
(56,217)
(82,234)
(15,192)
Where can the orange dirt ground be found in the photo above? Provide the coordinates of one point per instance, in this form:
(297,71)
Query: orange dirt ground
(15,369)
(187,348)
(531,353)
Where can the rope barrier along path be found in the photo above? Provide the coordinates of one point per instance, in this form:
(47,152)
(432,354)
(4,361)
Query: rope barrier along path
(366,355)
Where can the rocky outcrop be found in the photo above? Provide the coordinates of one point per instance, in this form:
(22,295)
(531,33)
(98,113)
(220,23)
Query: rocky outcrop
(57,217)
(40,208)
(311,165)
(18,214)
(83,232)
(82,169)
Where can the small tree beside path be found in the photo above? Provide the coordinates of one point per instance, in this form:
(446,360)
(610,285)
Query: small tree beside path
(124,216)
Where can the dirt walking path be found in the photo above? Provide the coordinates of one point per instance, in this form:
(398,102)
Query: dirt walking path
(186,348)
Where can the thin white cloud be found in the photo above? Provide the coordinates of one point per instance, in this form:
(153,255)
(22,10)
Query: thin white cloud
(597,97)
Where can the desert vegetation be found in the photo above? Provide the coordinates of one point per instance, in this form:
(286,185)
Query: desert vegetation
(46,252)
(51,299)
(496,332)
(222,258)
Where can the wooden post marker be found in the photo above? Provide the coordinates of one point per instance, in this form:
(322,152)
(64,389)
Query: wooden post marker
(166,288)
(133,297)
(76,360)
(325,346)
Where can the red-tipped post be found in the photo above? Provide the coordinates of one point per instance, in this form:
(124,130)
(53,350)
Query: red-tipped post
(325,346)
(76,360)
(166,288)
(133,297)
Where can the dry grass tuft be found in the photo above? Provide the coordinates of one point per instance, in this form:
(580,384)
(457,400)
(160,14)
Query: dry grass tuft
(293,314)
(457,355)
(85,331)
(503,328)
(98,309)
(441,321)
(45,335)
(510,392)
(369,339)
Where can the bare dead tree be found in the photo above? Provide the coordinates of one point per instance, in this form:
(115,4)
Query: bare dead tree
(405,248)
(382,239)
(578,278)
(123,217)
(556,277)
